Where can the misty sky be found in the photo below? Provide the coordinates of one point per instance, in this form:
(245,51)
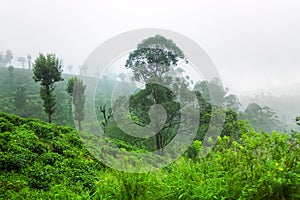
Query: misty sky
(254,44)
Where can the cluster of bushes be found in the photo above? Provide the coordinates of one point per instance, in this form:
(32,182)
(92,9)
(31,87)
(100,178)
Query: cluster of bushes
(43,161)
(259,166)
(40,160)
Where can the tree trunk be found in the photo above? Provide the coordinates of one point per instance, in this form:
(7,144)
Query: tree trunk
(159,144)
(49,118)
(79,125)
(10,80)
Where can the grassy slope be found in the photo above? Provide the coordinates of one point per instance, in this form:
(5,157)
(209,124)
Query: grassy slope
(44,161)
(41,160)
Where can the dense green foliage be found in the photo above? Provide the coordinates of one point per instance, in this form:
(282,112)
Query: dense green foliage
(44,161)
(141,103)
(47,70)
(23,98)
(25,93)
(262,118)
(40,160)
(76,89)
(153,57)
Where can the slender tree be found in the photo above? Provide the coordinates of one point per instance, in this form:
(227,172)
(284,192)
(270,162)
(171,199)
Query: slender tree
(47,70)
(10,69)
(76,89)
(83,69)
(20,98)
(106,116)
(70,67)
(29,61)
(8,57)
(1,59)
(22,61)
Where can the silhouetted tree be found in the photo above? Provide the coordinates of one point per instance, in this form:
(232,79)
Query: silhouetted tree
(22,60)
(1,59)
(83,70)
(20,98)
(76,89)
(10,69)
(106,116)
(29,61)
(70,67)
(232,102)
(8,57)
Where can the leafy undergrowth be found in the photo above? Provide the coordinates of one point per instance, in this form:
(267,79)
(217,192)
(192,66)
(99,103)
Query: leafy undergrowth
(40,160)
(44,161)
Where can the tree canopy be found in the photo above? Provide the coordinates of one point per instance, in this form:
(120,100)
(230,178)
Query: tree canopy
(153,58)
(47,70)
(76,89)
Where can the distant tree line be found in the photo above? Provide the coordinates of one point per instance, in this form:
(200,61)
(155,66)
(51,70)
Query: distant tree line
(7,58)
(154,61)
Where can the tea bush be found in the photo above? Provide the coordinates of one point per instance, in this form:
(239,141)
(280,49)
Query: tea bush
(35,165)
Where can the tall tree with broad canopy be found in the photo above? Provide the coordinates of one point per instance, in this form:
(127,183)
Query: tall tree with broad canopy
(154,57)
(152,60)
(47,70)
(76,89)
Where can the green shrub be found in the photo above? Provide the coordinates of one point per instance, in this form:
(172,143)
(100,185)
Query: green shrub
(5,125)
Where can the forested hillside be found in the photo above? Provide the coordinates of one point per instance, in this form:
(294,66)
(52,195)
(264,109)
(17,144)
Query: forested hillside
(20,94)
(163,135)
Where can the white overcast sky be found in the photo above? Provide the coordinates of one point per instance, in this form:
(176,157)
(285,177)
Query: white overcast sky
(255,44)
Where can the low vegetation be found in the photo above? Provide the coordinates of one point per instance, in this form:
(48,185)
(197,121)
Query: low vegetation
(45,161)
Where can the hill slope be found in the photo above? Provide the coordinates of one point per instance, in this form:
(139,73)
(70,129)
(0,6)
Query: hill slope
(22,78)
(39,160)
(44,161)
